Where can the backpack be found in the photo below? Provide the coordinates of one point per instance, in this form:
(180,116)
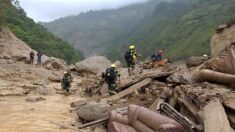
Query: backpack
(110,74)
(128,56)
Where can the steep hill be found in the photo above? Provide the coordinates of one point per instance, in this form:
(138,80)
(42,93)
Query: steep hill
(95,30)
(181,27)
(38,38)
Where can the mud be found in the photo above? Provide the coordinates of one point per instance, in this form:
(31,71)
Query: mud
(18,115)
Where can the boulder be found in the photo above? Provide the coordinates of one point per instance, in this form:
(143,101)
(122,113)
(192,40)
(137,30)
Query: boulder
(118,64)
(92,111)
(20,58)
(55,79)
(93,65)
(54,63)
(181,77)
(42,90)
(72,67)
(196,61)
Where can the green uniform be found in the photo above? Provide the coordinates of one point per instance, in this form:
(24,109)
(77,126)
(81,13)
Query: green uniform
(111,77)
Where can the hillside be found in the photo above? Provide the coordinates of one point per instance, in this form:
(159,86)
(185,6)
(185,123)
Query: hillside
(182,28)
(93,31)
(36,36)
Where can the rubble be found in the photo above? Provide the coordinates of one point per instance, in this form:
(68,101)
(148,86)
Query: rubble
(196,61)
(169,98)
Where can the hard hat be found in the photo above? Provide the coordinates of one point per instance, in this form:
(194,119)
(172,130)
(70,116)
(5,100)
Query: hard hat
(132,47)
(205,55)
(65,72)
(113,65)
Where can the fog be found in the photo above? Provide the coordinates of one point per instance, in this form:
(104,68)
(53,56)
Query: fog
(48,10)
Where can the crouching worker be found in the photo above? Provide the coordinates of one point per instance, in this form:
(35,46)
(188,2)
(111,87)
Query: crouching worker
(157,59)
(111,77)
(66,81)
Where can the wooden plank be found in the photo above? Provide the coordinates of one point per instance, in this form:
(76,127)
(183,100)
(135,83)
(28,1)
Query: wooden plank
(156,104)
(215,118)
(94,122)
(129,90)
(230,103)
(144,76)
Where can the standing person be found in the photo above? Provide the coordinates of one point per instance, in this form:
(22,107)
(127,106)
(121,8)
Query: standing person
(130,57)
(66,81)
(31,57)
(111,76)
(39,54)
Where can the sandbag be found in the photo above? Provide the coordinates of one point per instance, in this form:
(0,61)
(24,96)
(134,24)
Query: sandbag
(218,77)
(118,127)
(225,62)
(139,115)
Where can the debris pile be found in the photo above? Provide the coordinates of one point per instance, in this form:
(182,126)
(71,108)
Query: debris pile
(199,97)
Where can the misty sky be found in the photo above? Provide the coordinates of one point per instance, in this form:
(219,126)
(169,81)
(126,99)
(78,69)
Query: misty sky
(48,10)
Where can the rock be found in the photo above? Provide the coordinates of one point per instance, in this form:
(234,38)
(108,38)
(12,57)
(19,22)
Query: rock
(92,111)
(20,58)
(55,79)
(34,99)
(104,89)
(54,63)
(93,65)
(181,77)
(196,61)
(72,67)
(118,65)
(42,90)
(222,39)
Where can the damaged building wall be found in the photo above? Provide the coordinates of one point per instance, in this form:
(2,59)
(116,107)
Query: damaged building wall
(225,35)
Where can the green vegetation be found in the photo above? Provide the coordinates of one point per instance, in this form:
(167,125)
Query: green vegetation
(38,38)
(182,28)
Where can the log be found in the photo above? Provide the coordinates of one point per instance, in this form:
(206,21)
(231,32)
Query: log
(215,119)
(129,90)
(218,77)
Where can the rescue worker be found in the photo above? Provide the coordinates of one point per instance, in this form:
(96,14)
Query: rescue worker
(111,76)
(66,81)
(39,54)
(157,56)
(130,57)
(157,60)
(31,55)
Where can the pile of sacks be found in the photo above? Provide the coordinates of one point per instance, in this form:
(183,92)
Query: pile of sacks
(140,119)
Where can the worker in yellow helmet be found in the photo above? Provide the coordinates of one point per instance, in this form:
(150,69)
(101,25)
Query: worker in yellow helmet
(130,57)
(111,76)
